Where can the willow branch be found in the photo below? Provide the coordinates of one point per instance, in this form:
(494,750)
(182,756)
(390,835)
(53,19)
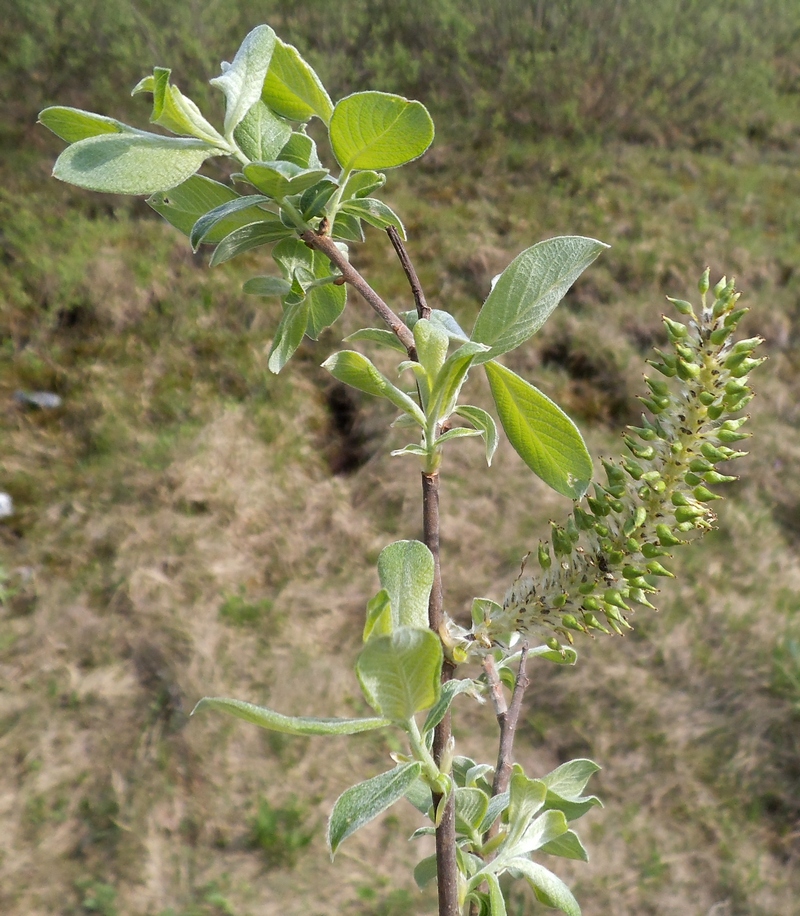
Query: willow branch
(328,247)
(423,309)
(508,719)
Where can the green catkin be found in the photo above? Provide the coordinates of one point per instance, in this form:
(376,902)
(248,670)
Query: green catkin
(611,549)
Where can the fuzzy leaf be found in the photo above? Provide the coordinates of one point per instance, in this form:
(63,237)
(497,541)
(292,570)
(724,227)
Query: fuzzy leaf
(568,846)
(242,80)
(245,238)
(376,130)
(379,336)
(471,807)
(405,570)
(529,289)
(183,205)
(267,286)
(292,89)
(425,872)
(484,423)
(140,163)
(375,212)
(211,220)
(301,150)
(72,124)
(541,433)
(289,335)
(544,829)
(174,111)
(497,903)
(362,803)
(279,179)
(261,134)
(548,888)
(289,725)
(399,673)
(450,690)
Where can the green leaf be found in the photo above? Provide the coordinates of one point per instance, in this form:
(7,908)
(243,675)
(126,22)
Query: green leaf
(471,807)
(174,111)
(347,227)
(289,725)
(72,124)
(400,673)
(425,872)
(529,289)
(379,336)
(570,779)
(442,319)
(379,616)
(497,804)
(548,888)
(248,237)
(484,423)
(362,184)
(566,655)
(292,89)
(362,803)
(526,798)
(289,335)
(432,343)
(293,256)
(211,220)
(325,302)
(280,179)
(139,163)
(541,433)
(267,286)
(356,370)
(546,827)
(458,432)
(497,903)
(242,80)
(375,212)
(419,795)
(261,135)
(375,130)
(450,690)
(406,570)
(315,198)
(301,150)
(183,205)
(568,846)
(451,377)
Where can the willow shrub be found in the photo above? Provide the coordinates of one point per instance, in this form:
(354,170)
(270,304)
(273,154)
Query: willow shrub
(489,818)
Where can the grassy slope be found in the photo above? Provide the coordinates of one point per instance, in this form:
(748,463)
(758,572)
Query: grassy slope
(180,532)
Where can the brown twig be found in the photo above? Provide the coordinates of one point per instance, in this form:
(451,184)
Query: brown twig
(446,865)
(508,720)
(328,247)
(423,309)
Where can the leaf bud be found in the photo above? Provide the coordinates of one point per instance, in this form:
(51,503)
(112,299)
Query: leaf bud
(602,530)
(691,479)
(586,588)
(746,346)
(703,284)
(689,513)
(650,551)
(676,330)
(745,367)
(688,370)
(720,335)
(591,604)
(545,560)
(599,506)
(656,569)
(593,623)
(572,530)
(734,406)
(635,470)
(679,499)
(643,453)
(615,557)
(684,307)
(632,545)
(571,623)
(715,411)
(659,388)
(631,572)
(640,597)
(732,319)
(729,435)
(554,644)
(714,477)
(669,371)
(655,405)
(713,453)
(614,474)
(719,289)
(704,495)
(562,543)
(646,433)
(613,597)
(584,520)
(706,398)
(666,538)
(560,600)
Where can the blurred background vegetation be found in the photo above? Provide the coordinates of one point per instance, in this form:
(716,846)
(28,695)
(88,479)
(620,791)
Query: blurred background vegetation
(187,524)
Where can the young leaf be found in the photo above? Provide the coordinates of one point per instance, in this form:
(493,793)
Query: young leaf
(526,798)
(497,903)
(211,220)
(529,289)
(362,803)
(548,888)
(362,184)
(354,369)
(442,319)
(292,89)
(569,780)
(471,807)
(425,872)
(541,433)
(497,805)
(379,616)
(375,212)
(72,124)
(347,227)
(248,237)
(175,112)
(379,336)
(568,846)
(400,673)
(266,286)
(546,827)
(450,690)
(326,302)
(566,655)
(301,150)
(280,179)
(140,163)
(375,130)
(183,205)
(289,725)
(261,135)
(451,377)
(289,335)
(405,570)
(314,199)
(242,80)
(484,423)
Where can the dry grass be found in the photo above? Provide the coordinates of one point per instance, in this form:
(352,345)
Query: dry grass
(178,476)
